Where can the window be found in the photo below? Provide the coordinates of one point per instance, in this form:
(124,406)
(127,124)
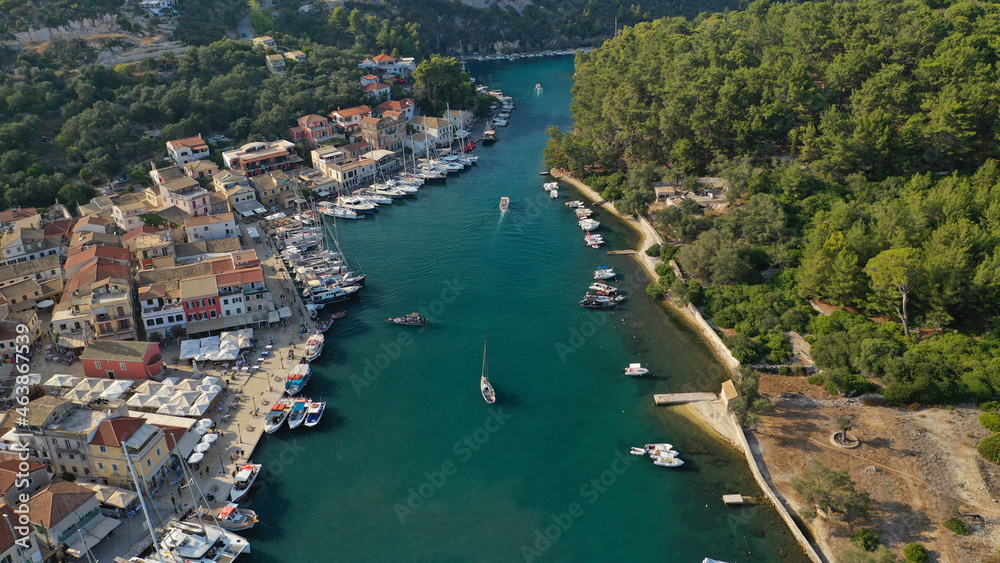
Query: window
(211,301)
(114,467)
(157,452)
(55,442)
(238,310)
(71,456)
(58,455)
(100,466)
(68,446)
(83,457)
(149,462)
(159,321)
(149,322)
(122,364)
(212,314)
(225,302)
(102,449)
(97,365)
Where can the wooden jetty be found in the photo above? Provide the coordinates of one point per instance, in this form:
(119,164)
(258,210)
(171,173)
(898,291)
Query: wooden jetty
(737,500)
(680,398)
(619,252)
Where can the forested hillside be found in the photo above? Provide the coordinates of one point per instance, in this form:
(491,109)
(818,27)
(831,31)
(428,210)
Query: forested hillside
(859,142)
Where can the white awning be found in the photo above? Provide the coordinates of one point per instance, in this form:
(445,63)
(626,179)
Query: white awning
(100,527)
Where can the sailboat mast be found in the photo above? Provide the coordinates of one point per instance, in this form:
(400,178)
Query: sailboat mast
(485,341)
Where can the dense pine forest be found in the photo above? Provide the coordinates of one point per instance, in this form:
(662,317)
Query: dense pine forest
(858,140)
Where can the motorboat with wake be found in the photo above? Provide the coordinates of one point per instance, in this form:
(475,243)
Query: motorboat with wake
(413,319)
(504,203)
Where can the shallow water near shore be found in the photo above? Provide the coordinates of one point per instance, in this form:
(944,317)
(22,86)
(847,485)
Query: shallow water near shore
(410,464)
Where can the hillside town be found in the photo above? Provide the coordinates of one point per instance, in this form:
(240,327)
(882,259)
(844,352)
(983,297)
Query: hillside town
(163,321)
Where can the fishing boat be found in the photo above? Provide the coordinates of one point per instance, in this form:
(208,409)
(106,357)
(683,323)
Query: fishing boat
(582,213)
(339,315)
(297,378)
(244,480)
(413,319)
(575,204)
(484,380)
(593,241)
(635,369)
(196,542)
(637,451)
(325,325)
(298,414)
(490,136)
(604,273)
(276,417)
(504,203)
(230,517)
(314,412)
(314,347)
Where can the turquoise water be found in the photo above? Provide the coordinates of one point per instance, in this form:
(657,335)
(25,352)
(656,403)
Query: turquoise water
(410,464)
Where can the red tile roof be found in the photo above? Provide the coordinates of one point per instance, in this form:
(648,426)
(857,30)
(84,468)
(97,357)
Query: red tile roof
(240,277)
(109,253)
(59,227)
(145,229)
(173,435)
(15,214)
(383,58)
(350,112)
(7,538)
(9,470)
(374,87)
(98,271)
(112,432)
(193,142)
(56,502)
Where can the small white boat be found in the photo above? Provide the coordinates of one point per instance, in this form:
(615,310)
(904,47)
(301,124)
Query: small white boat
(549,186)
(604,273)
(297,378)
(653,448)
(314,413)
(358,204)
(244,480)
(504,203)
(635,369)
(298,414)
(575,204)
(276,417)
(603,288)
(554,194)
(637,451)
(582,213)
(484,380)
(230,517)
(667,461)
(588,224)
(198,542)
(314,346)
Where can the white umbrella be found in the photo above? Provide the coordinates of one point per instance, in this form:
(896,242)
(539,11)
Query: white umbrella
(210,438)
(205,423)
(202,447)
(196,457)
(201,430)
(46,303)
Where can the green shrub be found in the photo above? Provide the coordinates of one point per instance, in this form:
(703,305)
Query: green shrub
(990,406)
(990,421)
(865,539)
(957,526)
(815,379)
(662,269)
(745,350)
(989,448)
(916,553)
(653,251)
(784,370)
(654,291)
(668,251)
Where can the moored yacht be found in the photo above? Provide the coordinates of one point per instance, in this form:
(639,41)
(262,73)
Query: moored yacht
(297,378)
(191,542)
(298,414)
(230,517)
(604,273)
(276,417)
(314,346)
(357,204)
(245,478)
(314,412)
(322,295)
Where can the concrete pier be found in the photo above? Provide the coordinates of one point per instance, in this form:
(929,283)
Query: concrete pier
(680,398)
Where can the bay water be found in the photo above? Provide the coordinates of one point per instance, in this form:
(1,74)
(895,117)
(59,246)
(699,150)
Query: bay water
(410,464)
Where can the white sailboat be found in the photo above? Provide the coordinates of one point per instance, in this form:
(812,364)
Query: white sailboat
(484,380)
